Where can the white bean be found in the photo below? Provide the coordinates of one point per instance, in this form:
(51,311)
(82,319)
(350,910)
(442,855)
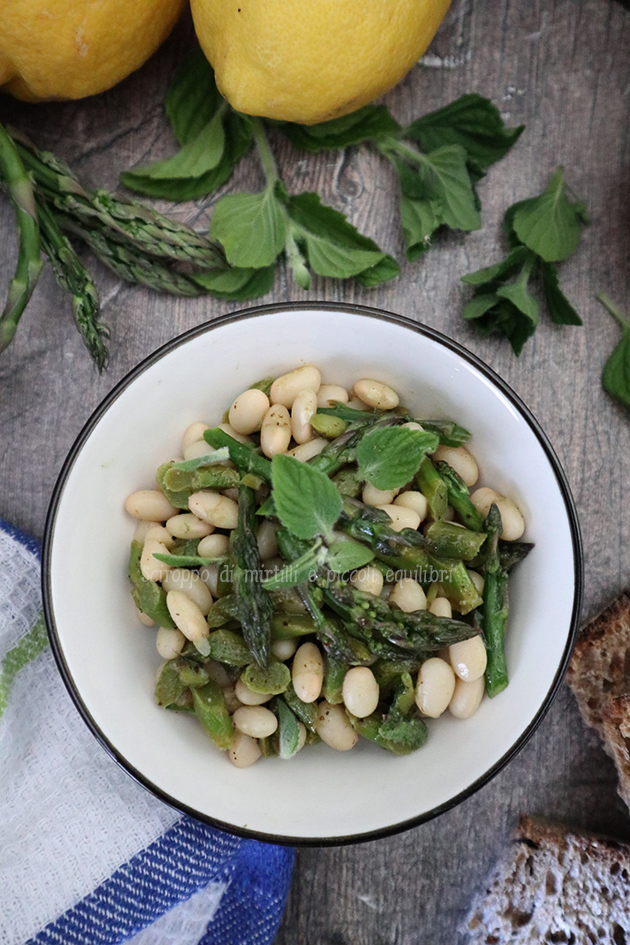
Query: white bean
(376,394)
(413,500)
(209,574)
(244,751)
(435,687)
(255,721)
(187,616)
(152,569)
(169,643)
(360,691)
(150,505)
(159,533)
(441,607)
(329,393)
(307,672)
(333,727)
(401,517)
(285,388)
(247,696)
(369,580)
(247,412)
(477,580)
(413,425)
(181,579)
(215,509)
(356,404)
(283,649)
(466,698)
(194,433)
(307,451)
(275,433)
(373,496)
(214,546)
(462,461)
(198,449)
(188,525)
(408,595)
(143,619)
(229,429)
(304,407)
(266,540)
(511,518)
(468,658)
(141,530)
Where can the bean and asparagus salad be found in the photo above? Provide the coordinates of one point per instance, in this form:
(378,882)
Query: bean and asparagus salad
(319,570)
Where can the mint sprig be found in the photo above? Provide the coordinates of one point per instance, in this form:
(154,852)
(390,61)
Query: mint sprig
(390,457)
(306,501)
(616,375)
(541,231)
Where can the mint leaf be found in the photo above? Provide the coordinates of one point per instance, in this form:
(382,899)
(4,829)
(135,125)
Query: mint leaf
(306,501)
(470,121)
(616,376)
(366,124)
(288,730)
(334,247)
(348,556)
(454,189)
(502,270)
(250,227)
(558,305)
(390,457)
(192,97)
(550,223)
(237,285)
(508,309)
(300,570)
(198,156)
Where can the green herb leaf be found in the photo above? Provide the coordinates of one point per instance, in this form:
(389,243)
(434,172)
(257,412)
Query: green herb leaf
(334,247)
(558,305)
(250,227)
(192,98)
(197,157)
(307,502)
(470,121)
(298,571)
(454,189)
(390,457)
(366,124)
(550,223)
(501,270)
(288,730)
(237,285)
(348,556)
(616,376)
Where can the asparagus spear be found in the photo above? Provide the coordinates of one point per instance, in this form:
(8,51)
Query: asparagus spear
(459,497)
(449,432)
(373,620)
(452,541)
(495,607)
(343,450)
(29,263)
(72,276)
(179,484)
(433,488)
(407,551)
(243,457)
(253,602)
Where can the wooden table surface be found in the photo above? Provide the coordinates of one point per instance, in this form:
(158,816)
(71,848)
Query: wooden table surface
(562,67)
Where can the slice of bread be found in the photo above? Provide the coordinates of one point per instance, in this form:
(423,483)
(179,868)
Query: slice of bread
(555,885)
(599,675)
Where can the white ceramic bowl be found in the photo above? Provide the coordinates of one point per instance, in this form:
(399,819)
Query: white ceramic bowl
(108,662)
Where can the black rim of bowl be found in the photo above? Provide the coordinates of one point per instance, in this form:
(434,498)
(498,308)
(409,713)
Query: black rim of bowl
(305,308)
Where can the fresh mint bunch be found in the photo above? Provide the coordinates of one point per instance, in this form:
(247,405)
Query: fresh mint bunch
(541,232)
(438,159)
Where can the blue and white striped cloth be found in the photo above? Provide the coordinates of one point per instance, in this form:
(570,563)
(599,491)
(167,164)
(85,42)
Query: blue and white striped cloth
(87,856)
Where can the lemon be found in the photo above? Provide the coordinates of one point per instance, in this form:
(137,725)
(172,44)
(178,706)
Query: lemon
(315,60)
(71,48)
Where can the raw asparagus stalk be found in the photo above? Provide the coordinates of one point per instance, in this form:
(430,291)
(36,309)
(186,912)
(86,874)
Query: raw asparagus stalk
(433,488)
(253,602)
(452,541)
(29,264)
(459,497)
(243,457)
(72,276)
